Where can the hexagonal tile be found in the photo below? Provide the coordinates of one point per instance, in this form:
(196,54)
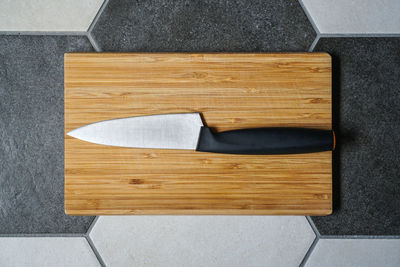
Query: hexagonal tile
(355,252)
(366,117)
(32,134)
(233,25)
(202,240)
(46,251)
(47,15)
(356,16)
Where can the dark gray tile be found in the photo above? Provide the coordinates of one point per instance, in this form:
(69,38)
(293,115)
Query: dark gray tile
(31,134)
(203,25)
(366,94)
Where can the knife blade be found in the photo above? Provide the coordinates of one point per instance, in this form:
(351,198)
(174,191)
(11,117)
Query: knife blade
(186,131)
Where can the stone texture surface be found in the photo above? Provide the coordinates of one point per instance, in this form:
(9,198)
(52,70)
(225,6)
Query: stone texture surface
(355,252)
(46,251)
(366,104)
(355,16)
(32,134)
(209,25)
(47,15)
(366,118)
(202,240)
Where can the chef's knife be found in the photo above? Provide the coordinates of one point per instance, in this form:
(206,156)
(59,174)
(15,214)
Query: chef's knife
(186,131)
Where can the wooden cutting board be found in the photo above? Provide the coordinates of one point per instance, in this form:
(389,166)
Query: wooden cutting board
(231,91)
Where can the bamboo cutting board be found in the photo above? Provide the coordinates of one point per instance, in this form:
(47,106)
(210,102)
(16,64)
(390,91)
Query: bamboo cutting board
(231,91)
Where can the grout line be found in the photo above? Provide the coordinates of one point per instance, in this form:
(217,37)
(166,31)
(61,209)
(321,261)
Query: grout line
(42,33)
(359,35)
(92,225)
(314,243)
(360,236)
(315,229)
(309,252)
(93,42)
(314,43)
(96,18)
(93,24)
(310,19)
(95,251)
(43,235)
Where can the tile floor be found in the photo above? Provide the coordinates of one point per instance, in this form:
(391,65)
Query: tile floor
(362,36)
(202,240)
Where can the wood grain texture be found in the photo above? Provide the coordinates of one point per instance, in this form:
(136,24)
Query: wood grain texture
(231,91)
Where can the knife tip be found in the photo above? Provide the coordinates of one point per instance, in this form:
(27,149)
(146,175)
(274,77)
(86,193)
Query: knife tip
(71,133)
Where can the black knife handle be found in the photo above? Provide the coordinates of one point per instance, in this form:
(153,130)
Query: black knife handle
(263,141)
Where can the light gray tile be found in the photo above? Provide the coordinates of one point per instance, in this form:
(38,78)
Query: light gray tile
(47,15)
(202,240)
(356,16)
(355,252)
(46,251)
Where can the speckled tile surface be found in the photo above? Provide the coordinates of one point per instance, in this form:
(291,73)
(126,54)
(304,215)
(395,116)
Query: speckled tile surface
(366,96)
(210,25)
(32,134)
